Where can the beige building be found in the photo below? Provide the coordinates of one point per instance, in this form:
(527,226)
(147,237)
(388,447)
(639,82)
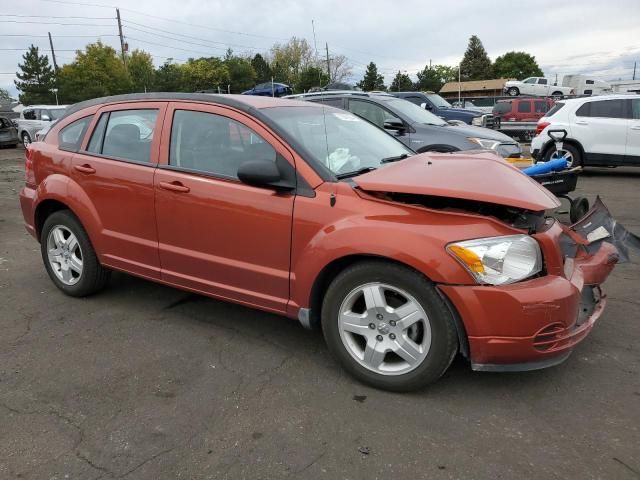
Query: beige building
(474,88)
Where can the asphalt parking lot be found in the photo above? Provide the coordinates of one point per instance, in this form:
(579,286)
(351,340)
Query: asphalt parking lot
(143,381)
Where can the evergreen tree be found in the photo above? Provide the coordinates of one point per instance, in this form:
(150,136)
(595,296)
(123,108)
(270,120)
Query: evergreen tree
(36,78)
(262,69)
(372,79)
(401,83)
(476,64)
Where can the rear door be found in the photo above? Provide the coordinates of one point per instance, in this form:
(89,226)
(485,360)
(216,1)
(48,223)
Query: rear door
(601,127)
(633,134)
(218,235)
(115,169)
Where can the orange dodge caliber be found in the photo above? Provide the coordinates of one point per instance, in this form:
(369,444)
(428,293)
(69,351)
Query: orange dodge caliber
(308,211)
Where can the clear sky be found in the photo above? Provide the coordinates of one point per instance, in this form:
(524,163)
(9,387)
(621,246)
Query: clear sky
(566,36)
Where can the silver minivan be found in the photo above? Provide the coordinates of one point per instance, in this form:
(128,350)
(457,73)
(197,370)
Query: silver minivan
(36,117)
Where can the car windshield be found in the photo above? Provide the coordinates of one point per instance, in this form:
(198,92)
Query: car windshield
(413,112)
(343,142)
(56,113)
(438,101)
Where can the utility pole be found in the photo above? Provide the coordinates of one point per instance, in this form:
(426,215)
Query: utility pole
(634,70)
(328,63)
(315,48)
(53,54)
(121,37)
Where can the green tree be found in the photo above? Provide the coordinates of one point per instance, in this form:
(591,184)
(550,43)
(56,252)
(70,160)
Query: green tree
(262,69)
(204,74)
(434,77)
(242,76)
(4,95)
(96,72)
(518,65)
(476,64)
(141,71)
(168,78)
(289,60)
(36,78)
(372,79)
(401,83)
(312,76)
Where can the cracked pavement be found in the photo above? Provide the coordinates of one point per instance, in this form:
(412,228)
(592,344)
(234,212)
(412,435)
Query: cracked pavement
(147,382)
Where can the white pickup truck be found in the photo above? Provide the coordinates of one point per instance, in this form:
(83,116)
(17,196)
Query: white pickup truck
(538,86)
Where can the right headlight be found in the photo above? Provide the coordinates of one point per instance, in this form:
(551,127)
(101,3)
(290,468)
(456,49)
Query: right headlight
(499,260)
(485,142)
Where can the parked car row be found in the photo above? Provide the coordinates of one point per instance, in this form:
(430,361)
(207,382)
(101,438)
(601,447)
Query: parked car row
(416,127)
(402,259)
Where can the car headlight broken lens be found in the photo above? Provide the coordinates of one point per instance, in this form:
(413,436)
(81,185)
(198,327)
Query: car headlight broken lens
(499,260)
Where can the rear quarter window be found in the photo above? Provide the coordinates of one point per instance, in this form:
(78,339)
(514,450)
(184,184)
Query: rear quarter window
(70,137)
(555,109)
(502,107)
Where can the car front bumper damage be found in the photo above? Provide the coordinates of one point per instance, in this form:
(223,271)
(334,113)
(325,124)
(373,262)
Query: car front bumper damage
(537,323)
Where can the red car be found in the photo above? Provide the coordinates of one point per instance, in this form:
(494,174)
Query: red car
(522,109)
(308,211)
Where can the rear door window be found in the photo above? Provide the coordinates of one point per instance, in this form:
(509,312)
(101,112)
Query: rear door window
(540,106)
(603,109)
(524,107)
(125,134)
(502,107)
(369,111)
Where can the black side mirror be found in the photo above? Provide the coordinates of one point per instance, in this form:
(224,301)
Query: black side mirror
(395,125)
(264,174)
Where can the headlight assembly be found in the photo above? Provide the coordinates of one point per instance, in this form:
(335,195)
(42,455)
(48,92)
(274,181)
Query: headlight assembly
(499,260)
(485,142)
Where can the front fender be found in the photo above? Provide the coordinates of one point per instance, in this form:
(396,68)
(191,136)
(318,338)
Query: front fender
(414,236)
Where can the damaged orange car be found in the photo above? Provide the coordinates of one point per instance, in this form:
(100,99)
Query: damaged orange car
(403,260)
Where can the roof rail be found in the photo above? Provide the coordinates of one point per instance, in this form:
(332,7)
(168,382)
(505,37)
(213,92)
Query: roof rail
(328,93)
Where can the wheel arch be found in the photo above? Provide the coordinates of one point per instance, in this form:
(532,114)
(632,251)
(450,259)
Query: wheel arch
(333,268)
(570,141)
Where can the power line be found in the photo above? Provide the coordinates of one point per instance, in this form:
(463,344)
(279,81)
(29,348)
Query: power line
(54,16)
(55,35)
(57,23)
(168,46)
(129,23)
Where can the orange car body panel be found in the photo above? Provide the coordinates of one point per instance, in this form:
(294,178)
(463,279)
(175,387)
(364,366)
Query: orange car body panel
(264,249)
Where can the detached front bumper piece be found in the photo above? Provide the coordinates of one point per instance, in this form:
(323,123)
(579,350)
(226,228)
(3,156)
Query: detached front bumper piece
(536,323)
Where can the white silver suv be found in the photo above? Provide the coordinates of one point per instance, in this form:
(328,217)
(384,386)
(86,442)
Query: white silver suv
(36,117)
(601,131)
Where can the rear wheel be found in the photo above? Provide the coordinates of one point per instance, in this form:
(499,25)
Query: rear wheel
(557,95)
(26,139)
(387,326)
(513,92)
(571,153)
(69,257)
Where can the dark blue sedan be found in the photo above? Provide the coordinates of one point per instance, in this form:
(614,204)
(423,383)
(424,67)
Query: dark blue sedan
(270,89)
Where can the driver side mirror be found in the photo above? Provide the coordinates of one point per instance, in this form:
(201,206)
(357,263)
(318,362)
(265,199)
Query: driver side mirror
(395,125)
(264,174)
(45,118)
(426,106)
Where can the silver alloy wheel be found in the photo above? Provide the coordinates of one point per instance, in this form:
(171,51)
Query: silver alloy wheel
(563,153)
(65,255)
(26,140)
(384,329)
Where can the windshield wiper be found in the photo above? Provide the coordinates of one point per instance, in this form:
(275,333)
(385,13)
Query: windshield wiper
(394,159)
(340,176)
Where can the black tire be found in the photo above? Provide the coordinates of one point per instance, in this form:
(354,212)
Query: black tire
(557,95)
(26,139)
(15,145)
(575,153)
(444,342)
(94,276)
(579,208)
(513,91)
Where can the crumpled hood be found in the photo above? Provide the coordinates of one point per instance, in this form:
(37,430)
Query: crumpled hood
(481,176)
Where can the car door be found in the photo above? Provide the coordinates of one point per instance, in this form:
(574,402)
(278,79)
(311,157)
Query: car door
(528,86)
(115,169)
(633,133)
(218,235)
(601,127)
(542,87)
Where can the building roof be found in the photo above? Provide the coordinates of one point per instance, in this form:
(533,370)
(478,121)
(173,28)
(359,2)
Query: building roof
(474,85)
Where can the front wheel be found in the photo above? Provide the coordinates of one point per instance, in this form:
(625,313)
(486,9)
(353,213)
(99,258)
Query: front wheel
(557,95)
(513,92)
(387,326)
(26,139)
